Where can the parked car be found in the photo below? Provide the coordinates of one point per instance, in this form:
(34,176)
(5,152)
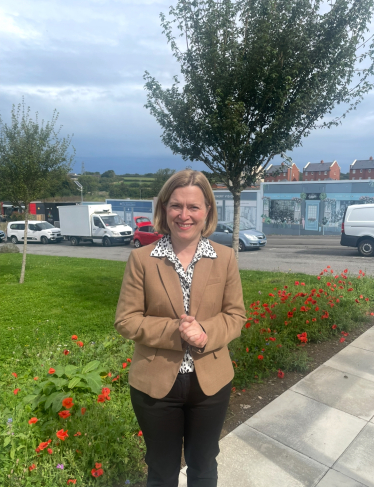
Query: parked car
(37,231)
(358,229)
(249,237)
(144,232)
(2,236)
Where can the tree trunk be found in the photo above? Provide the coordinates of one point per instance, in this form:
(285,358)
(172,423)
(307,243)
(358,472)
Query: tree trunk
(235,235)
(22,278)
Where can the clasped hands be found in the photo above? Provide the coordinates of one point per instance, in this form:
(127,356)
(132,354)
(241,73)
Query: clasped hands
(192,332)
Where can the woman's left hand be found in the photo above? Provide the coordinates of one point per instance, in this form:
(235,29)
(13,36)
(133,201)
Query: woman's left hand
(191,332)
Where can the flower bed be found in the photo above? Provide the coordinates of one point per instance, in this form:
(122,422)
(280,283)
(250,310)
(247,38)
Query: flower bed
(68,419)
(293,315)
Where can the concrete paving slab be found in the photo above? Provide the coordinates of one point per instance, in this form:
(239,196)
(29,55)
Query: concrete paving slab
(308,426)
(341,390)
(249,458)
(365,341)
(357,461)
(337,479)
(356,361)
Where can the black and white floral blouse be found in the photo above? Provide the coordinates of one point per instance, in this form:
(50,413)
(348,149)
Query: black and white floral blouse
(164,248)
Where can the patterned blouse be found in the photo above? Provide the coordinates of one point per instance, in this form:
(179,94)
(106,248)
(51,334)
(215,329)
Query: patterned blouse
(164,248)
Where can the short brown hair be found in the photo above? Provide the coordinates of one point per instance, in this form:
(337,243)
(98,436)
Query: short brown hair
(181,179)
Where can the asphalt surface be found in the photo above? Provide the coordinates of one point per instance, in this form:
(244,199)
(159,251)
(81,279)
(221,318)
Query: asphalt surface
(308,254)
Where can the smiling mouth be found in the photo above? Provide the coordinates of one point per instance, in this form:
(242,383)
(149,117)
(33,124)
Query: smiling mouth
(184,225)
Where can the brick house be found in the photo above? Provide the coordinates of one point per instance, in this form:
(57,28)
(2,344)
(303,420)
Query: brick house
(281,172)
(321,171)
(362,169)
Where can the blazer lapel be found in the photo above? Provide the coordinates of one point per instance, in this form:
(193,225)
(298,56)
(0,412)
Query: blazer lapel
(171,283)
(201,275)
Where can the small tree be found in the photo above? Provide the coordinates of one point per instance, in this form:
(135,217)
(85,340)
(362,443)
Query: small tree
(259,75)
(32,157)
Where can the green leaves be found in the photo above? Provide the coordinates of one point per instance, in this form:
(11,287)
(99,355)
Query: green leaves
(90,366)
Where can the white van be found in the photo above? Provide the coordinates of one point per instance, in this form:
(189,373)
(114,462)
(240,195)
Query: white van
(358,229)
(37,231)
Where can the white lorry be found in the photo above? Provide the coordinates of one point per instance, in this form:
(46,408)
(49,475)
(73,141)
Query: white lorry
(93,223)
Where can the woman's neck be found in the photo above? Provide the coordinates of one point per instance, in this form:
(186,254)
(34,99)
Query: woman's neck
(184,250)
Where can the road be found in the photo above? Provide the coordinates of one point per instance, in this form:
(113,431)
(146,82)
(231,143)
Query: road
(308,254)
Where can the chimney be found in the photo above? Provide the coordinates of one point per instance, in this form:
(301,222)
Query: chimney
(322,161)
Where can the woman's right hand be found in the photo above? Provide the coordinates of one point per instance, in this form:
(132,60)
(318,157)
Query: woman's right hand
(192,332)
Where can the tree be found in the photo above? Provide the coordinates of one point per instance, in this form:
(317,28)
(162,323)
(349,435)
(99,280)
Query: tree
(108,174)
(258,76)
(160,177)
(32,158)
(90,183)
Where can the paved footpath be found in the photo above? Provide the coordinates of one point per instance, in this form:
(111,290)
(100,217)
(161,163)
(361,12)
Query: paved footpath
(318,433)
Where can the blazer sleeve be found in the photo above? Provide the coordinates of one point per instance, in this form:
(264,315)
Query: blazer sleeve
(130,320)
(226,325)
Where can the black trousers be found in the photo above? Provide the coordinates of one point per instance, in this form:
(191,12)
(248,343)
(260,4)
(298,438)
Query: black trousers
(186,412)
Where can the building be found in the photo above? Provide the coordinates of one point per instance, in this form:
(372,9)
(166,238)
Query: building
(321,171)
(362,169)
(280,172)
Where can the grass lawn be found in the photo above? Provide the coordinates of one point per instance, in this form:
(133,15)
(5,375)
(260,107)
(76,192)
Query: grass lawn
(63,296)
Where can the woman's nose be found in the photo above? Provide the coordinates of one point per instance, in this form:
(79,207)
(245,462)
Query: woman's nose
(184,213)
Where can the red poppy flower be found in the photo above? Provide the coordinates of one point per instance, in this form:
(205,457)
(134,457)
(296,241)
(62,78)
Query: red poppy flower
(247,325)
(78,433)
(302,284)
(37,450)
(97,473)
(342,340)
(51,371)
(116,378)
(66,352)
(289,314)
(350,289)
(71,481)
(247,349)
(97,465)
(296,283)
(333,327)
(128,360)
(80,344)
(74,337)
(64,414)
(43,445)
(101,398)
(303,337)
(319,278)
(16,391)
(124,365)
(366,299)
(14,375)
(50,451)
(141,432)
(62,435)
(36,378)
(68,402)
(280,374)
(83,410)
(32,467)
(33,420)
(260,357)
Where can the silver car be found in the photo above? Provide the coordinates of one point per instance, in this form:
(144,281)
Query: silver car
(249,237)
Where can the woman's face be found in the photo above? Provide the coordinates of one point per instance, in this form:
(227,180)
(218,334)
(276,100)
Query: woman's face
(186,213)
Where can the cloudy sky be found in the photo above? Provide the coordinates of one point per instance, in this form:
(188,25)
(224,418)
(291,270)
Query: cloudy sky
(86,58)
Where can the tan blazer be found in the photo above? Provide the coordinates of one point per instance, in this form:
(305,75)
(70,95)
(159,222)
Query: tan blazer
(149,310)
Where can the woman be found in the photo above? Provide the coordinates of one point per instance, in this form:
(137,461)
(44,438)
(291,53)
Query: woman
(181,302)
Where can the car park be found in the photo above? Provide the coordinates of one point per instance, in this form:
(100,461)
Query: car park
(249,237)
(144,233)
(37,231)
(358,229)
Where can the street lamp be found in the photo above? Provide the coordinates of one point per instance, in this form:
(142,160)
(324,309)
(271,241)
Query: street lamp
(80,187)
